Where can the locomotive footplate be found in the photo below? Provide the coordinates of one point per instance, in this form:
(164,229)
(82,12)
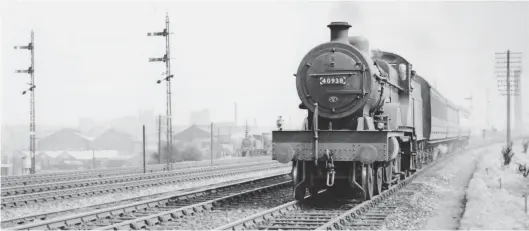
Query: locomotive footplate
(344,145)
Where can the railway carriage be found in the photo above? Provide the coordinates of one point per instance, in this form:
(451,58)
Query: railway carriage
(443,122)
(371,120)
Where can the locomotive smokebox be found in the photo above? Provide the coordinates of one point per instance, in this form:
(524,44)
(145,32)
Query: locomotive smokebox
(339,31)
(338,76)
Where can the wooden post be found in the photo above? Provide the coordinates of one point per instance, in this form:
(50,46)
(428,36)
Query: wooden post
(22,164)
(508,98)
(13,166)
(159,139)
(144,164)
(218,139)
(211,156)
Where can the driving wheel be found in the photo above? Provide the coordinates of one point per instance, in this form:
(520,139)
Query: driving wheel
(367,181)
(378,181)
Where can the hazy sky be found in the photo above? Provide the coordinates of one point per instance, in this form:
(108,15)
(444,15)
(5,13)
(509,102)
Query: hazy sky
(91,57)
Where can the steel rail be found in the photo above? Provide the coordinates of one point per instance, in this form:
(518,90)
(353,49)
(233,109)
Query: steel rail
(120,215)
(21,190)
(179,164)
(73,175)
(23,200)
(54,214)
(174,215)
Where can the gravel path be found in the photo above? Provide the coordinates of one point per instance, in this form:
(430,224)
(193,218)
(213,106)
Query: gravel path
(83,202)
(445,183)
(414,205)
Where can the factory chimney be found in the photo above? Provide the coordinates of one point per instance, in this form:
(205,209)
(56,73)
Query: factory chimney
(235,112)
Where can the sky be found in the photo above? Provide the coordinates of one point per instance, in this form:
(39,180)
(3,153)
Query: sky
(92,56)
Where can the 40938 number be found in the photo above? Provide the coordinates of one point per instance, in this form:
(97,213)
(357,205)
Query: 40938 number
(333,80)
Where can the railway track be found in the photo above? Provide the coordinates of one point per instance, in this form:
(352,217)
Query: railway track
(323,212)
(22,200)
(327,212)
(30,179)
(180,212)
(21,190)
(146,213)
(51,215)
(311,213)
(25,180)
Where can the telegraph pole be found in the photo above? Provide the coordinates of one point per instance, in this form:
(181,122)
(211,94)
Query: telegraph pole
(31,89)
(166,59)
(504,67)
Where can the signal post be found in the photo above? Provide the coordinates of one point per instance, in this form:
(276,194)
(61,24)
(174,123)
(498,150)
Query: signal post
(31,89)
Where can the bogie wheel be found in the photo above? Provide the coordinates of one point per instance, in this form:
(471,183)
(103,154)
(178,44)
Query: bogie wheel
(378,180)
(367,181)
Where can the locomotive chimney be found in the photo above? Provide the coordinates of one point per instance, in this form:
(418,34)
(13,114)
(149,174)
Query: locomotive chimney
(339,31)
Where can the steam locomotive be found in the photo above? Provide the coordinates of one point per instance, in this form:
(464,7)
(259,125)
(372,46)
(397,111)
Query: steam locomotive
(256,145)
(371,120)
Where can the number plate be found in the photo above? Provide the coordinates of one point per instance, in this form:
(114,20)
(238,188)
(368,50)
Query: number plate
(341,80)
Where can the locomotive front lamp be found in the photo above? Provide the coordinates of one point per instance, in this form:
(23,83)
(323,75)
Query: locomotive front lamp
(380,125)
(279,123)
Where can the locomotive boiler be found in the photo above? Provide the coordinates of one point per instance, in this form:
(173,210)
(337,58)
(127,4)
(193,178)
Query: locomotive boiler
(369,119)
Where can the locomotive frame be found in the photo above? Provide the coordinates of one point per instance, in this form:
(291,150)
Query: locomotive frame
(389,123)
